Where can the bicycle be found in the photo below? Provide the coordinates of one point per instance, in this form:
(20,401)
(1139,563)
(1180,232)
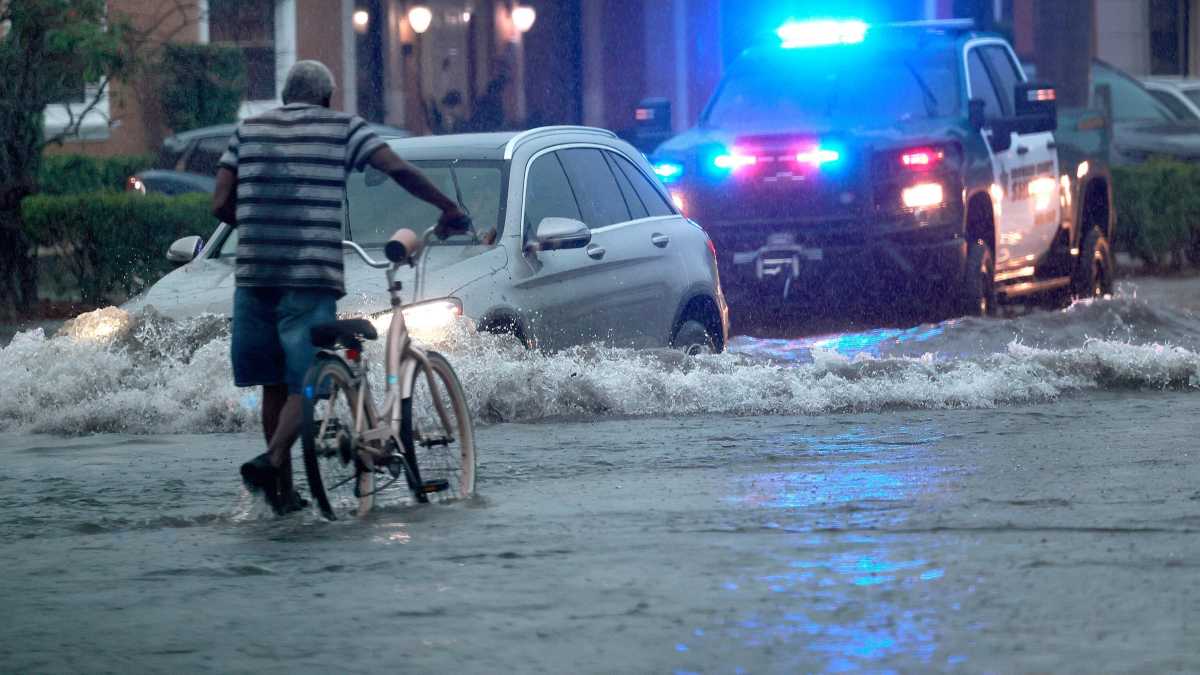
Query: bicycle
(353,450)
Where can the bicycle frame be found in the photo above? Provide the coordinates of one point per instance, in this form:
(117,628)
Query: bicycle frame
(401,360)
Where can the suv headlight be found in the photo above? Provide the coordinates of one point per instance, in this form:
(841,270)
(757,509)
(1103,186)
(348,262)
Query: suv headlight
(429,320)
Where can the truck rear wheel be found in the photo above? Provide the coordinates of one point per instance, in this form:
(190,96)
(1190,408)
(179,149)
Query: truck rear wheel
(977,293)
(1094,276)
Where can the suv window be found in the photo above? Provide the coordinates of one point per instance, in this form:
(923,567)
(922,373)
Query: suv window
(982,87)
(655,203)
(206,155)
(595,187)
(547,193)
(1005,72)
(636,208)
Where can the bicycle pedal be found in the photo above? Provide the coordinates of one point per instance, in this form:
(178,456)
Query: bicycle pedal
(435,485)
(436,442)
(395,466)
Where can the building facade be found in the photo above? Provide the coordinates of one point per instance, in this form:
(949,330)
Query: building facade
(440,66)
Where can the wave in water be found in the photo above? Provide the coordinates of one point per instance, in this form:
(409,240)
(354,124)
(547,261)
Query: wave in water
(110,372)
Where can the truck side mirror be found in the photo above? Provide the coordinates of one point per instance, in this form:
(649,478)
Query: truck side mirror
(652,123)
(1036,107)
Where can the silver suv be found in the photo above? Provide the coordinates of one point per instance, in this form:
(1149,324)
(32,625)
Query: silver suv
(576,242)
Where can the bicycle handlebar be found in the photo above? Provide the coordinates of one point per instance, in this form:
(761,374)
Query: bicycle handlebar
(377,264)
(430,235)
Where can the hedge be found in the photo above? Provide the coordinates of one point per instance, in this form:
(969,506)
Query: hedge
(77,174)
(1158,212)
(112,245)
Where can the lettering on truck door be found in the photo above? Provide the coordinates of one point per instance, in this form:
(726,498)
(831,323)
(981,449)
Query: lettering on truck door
(1027,171)
(980,87)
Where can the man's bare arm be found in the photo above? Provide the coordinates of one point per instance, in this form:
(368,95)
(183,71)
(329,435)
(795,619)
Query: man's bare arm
(410,178)
(224,205)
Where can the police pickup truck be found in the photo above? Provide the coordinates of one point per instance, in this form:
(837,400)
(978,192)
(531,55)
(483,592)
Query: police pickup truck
(915,158)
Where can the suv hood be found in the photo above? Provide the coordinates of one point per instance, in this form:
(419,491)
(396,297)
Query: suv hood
(205,286)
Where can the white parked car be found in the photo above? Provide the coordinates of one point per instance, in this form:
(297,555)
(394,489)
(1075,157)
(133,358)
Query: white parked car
(587,246)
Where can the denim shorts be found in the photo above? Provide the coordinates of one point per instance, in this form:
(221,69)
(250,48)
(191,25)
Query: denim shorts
(271,341)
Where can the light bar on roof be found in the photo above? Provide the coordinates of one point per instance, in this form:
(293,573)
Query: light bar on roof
(821,33)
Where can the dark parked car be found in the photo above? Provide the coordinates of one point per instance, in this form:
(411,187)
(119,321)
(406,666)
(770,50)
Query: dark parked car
(1142,126)
(187,161)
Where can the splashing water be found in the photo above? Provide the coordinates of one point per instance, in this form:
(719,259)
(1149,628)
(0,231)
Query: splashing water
(145,374)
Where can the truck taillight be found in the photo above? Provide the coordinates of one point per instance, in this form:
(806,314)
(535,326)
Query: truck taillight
(902,163)
(922,159)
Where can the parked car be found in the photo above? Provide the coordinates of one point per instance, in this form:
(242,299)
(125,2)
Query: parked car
(1180,95)
(187,161)
(914,159)
(581,244)
(1142,126)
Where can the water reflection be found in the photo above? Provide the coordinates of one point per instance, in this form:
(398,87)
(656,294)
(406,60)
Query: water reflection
(873,343)
(849,592)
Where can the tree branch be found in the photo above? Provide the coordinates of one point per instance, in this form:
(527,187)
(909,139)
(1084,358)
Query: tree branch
(74,121)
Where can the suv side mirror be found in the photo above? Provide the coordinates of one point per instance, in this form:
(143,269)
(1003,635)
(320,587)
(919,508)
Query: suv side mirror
(1036,107)
(555,234)
(185,250)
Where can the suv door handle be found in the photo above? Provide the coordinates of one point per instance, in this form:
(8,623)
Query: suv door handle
(1022,150)
(660,240)
(595,252)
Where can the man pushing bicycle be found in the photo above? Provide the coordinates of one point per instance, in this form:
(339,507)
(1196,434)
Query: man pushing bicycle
(282,183)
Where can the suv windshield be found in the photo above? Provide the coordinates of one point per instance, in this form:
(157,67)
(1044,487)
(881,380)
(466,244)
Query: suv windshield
(378,207)
(828,87)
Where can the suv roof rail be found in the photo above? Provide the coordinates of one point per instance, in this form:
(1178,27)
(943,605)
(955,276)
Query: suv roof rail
(529,134)
(939,24)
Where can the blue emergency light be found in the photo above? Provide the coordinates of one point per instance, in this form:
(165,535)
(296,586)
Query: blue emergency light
(821,33)
(668,171)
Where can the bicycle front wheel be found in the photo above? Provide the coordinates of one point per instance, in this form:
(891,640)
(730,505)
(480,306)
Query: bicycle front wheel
(444,453)
(335,471)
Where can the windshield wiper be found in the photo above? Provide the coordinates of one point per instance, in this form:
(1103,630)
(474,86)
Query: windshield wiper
(931,101)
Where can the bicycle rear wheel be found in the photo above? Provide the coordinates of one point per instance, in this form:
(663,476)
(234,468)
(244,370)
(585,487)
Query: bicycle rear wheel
(335,471)
(444,455)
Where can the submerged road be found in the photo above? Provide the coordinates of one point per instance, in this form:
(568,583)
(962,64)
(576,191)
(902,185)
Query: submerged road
(1058,537)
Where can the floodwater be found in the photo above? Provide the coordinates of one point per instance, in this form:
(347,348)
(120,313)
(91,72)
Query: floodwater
(1018,495)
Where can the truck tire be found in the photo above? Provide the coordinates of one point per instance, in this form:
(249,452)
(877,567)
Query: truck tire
(1094,275)
(977,294)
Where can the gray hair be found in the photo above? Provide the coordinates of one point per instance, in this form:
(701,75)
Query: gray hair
(308,82)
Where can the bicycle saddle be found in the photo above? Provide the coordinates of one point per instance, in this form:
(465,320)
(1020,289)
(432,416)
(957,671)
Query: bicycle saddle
(341,334)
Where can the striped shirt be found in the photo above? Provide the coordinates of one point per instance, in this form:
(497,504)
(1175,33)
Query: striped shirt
(291,165)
